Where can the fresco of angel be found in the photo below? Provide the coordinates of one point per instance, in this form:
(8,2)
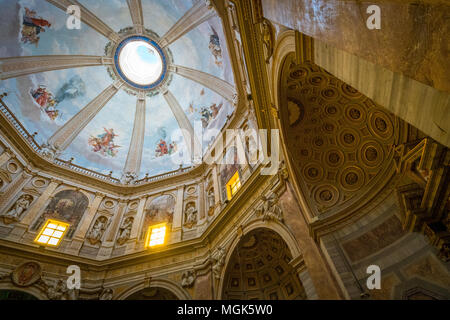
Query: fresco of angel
(210,113)
(163,148)
(32,26)
(215,48)
(46,101)
(104,143)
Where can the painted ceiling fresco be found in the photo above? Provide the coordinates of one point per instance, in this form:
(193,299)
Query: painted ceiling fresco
(43,102)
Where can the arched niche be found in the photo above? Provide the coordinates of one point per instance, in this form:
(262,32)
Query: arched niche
(66,205)
(7,294)
(167,289)
(159,210)
(259,269)
(37,292)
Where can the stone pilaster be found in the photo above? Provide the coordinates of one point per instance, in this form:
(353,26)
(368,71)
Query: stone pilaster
(80,234)
(137,224)
(21,66)
(178,216)
(202,202)
(88,18)
(6,156)
(221,87)
(192,142)
(137,16)
(138,219)
(64,136)
(215,176)
(199,13)
(134,158)
(107,246)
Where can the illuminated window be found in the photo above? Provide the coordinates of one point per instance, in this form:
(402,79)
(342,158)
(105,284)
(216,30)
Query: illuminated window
(52,233)
(156,235)
(233,185)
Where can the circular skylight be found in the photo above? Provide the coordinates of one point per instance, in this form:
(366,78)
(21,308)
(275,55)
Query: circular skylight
(140,62)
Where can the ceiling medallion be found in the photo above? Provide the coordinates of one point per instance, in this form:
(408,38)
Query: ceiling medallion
(140,62)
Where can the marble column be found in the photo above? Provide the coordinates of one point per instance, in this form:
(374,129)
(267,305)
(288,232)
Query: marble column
(134,158)
(137,15)
(21,66)
(199,13)
(64,136)
(192,142)
(318,268)
(221,87)
(88,18)
(32,212)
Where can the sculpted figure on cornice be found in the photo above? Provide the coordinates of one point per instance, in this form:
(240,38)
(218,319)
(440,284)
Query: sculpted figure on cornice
(211,201)
(125,230)
(188,278)
(106,294)
(59,291)
(218,261)
(49,152)
(270,209)
(128,178)
(19,207)
(268,39)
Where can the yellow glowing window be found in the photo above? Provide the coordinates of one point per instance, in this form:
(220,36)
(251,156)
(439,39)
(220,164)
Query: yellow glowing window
(52,233)
(233,185)
(156,235)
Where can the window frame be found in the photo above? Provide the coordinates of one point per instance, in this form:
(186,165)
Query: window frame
(233,184)
(45,227)
(150,231)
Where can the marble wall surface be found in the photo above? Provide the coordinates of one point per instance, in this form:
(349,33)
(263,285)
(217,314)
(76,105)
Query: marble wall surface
(411,40)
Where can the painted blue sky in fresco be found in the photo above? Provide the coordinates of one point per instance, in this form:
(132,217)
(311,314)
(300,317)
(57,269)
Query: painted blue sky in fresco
(75,88)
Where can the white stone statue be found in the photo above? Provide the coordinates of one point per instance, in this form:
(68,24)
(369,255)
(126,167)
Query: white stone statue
(21,205)
(98,229)
(49,151)
(125,230)
(191,214)
(106,294)
(218,261)
(188,278)
(128,178)
(59,291)
(211,199)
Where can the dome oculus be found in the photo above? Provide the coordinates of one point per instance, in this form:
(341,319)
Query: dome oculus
(140,61)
